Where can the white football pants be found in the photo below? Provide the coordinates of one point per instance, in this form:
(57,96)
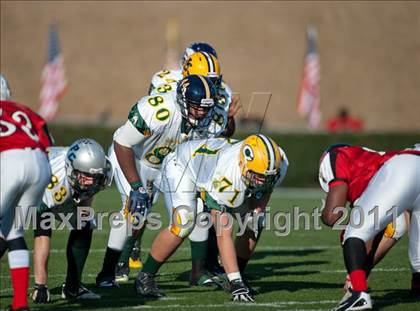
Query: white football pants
(24,175)
(394,189)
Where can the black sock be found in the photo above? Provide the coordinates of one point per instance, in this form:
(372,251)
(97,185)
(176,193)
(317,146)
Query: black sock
(151,266)
(197,269)
(354,254)
(110,261)
(78,246)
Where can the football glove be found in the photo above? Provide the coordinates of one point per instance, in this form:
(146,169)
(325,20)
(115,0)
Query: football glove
(139,202)
(240,292)
(41,294)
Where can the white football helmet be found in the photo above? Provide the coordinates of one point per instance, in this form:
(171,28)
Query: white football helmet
(4,89)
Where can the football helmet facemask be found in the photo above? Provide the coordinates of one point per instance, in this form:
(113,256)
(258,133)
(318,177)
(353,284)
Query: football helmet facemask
(196,98)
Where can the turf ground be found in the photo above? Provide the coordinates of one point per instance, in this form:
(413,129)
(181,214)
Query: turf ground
(301,271)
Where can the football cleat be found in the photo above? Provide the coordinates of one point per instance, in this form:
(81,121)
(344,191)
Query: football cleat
(206,279)
(346,296)
(146,286)
(134,262)
(81,293)
(217,270)
(355,302)
(41,294)
(347,289)
(122,272)
(106,282)
(240,292)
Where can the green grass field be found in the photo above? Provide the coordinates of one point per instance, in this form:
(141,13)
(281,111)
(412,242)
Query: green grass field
(301,271)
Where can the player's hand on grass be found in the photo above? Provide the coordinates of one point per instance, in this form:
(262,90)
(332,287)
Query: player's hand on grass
(41,294)
(240,292)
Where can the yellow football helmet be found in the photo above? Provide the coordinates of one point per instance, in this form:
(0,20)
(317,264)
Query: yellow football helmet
(260,161)
(204,64)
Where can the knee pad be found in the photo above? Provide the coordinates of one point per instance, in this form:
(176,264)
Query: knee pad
(183,221)
(399,230)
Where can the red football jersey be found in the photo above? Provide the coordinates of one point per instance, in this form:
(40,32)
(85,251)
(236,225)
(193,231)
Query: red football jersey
(355,166)
(22,128)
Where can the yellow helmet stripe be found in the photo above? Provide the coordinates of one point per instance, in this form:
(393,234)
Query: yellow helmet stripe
(210,62)
(206,86)
(271,152)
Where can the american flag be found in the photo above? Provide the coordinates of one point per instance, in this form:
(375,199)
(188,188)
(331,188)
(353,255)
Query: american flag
(54,82)
(309,98)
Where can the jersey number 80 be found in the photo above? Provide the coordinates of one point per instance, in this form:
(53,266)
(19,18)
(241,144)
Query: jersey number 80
(162,114)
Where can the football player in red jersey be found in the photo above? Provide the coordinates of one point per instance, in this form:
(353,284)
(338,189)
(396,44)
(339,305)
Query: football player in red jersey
(25,172)
(381,185)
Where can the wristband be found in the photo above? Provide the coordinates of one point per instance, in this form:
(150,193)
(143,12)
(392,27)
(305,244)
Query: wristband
(136,184)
